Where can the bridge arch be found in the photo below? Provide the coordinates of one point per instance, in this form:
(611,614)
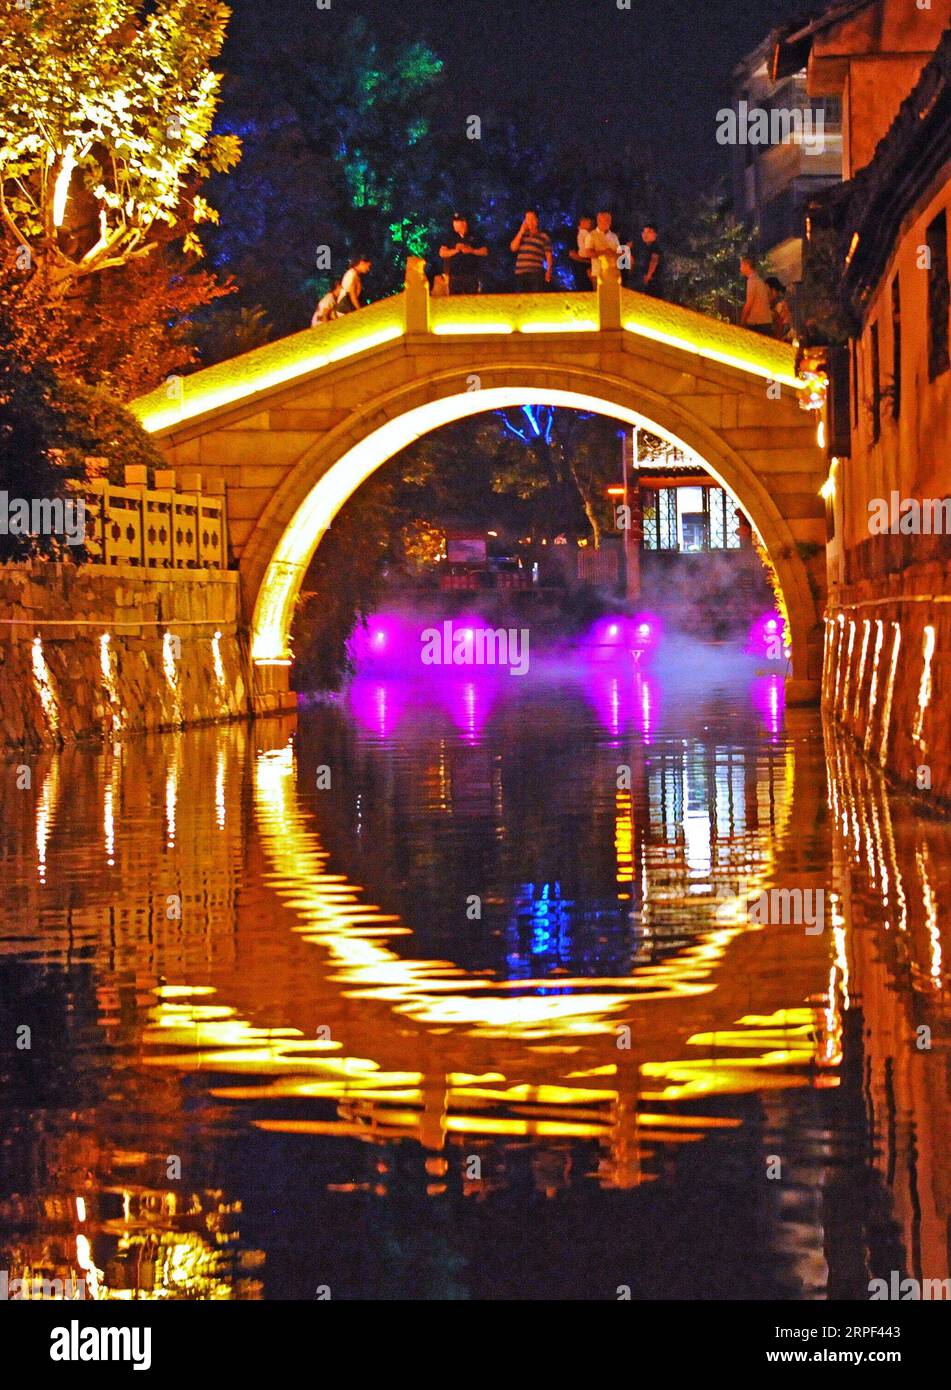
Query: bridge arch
(291,526)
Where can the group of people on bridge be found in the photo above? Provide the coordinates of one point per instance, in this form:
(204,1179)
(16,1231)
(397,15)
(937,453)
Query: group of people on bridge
(464,257)
(464,253)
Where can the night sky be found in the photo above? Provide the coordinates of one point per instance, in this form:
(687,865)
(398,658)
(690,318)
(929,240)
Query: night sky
(651,78)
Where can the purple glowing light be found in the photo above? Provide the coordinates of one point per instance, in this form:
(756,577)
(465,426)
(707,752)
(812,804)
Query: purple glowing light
(387,640)
(766,638)
(620,637)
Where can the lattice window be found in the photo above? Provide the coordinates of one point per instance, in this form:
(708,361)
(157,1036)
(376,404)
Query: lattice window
(667,533)
(732,522)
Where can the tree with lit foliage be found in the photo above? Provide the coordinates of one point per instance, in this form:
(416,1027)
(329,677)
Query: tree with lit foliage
(107,109)
(106,112)
(340,158)
(549,467)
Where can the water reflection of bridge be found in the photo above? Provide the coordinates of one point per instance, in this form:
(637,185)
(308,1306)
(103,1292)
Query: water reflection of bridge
(469,1066)
(420,1048)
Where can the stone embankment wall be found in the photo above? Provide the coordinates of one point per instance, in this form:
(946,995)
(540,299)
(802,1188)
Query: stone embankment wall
(886,677)
(90,651)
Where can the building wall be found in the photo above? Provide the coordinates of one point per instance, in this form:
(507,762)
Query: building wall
(888,593)
(772,183)
(873,60)
(74,686)
(911,455)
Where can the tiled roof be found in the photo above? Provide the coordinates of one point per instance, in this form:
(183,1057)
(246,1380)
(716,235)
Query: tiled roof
(793,41)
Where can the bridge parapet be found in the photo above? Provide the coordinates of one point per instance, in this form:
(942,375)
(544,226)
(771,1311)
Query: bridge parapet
(414,315)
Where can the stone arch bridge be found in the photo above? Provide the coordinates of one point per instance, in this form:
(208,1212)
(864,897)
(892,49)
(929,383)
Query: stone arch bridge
(292,429)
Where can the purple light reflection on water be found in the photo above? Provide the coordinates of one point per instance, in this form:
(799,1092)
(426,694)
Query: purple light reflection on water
(624,702)
(469,703)
(381,703)
(627,701)
(768,697)
(378,704)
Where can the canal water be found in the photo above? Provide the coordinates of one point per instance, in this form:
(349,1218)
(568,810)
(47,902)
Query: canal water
(451,990)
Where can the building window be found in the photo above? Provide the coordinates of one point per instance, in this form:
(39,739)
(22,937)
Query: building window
(724,520)
(690,519)
(938,297)
(717,521)
(667,519)
(692,514)
(896,348)
(660,518)
(876,387)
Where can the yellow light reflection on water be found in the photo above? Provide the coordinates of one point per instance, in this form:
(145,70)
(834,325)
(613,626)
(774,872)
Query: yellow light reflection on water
(539,1091)
(45,814)
(889,695)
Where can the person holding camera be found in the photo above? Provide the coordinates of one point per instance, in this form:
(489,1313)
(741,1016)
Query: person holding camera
(463,256)
(533,256)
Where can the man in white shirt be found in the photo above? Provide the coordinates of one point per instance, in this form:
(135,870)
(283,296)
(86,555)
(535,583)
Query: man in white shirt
(757,312)
(601,241)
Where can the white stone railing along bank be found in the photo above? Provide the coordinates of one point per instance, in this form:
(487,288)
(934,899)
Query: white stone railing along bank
(156,528)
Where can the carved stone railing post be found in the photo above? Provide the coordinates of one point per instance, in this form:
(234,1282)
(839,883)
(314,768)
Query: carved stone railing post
(416,299)
(609,292)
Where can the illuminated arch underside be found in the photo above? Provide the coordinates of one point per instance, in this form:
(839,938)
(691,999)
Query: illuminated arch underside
(274,607)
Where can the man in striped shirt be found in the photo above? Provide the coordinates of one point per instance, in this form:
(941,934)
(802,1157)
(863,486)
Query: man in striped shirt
(533,256)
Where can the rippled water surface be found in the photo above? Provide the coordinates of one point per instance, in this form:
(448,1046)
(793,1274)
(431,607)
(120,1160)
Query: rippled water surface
(486,1015)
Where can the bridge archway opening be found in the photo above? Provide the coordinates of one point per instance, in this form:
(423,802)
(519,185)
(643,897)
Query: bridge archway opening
(330,474)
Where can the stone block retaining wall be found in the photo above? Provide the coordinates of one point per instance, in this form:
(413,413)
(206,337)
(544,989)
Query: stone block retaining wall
(174,654)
